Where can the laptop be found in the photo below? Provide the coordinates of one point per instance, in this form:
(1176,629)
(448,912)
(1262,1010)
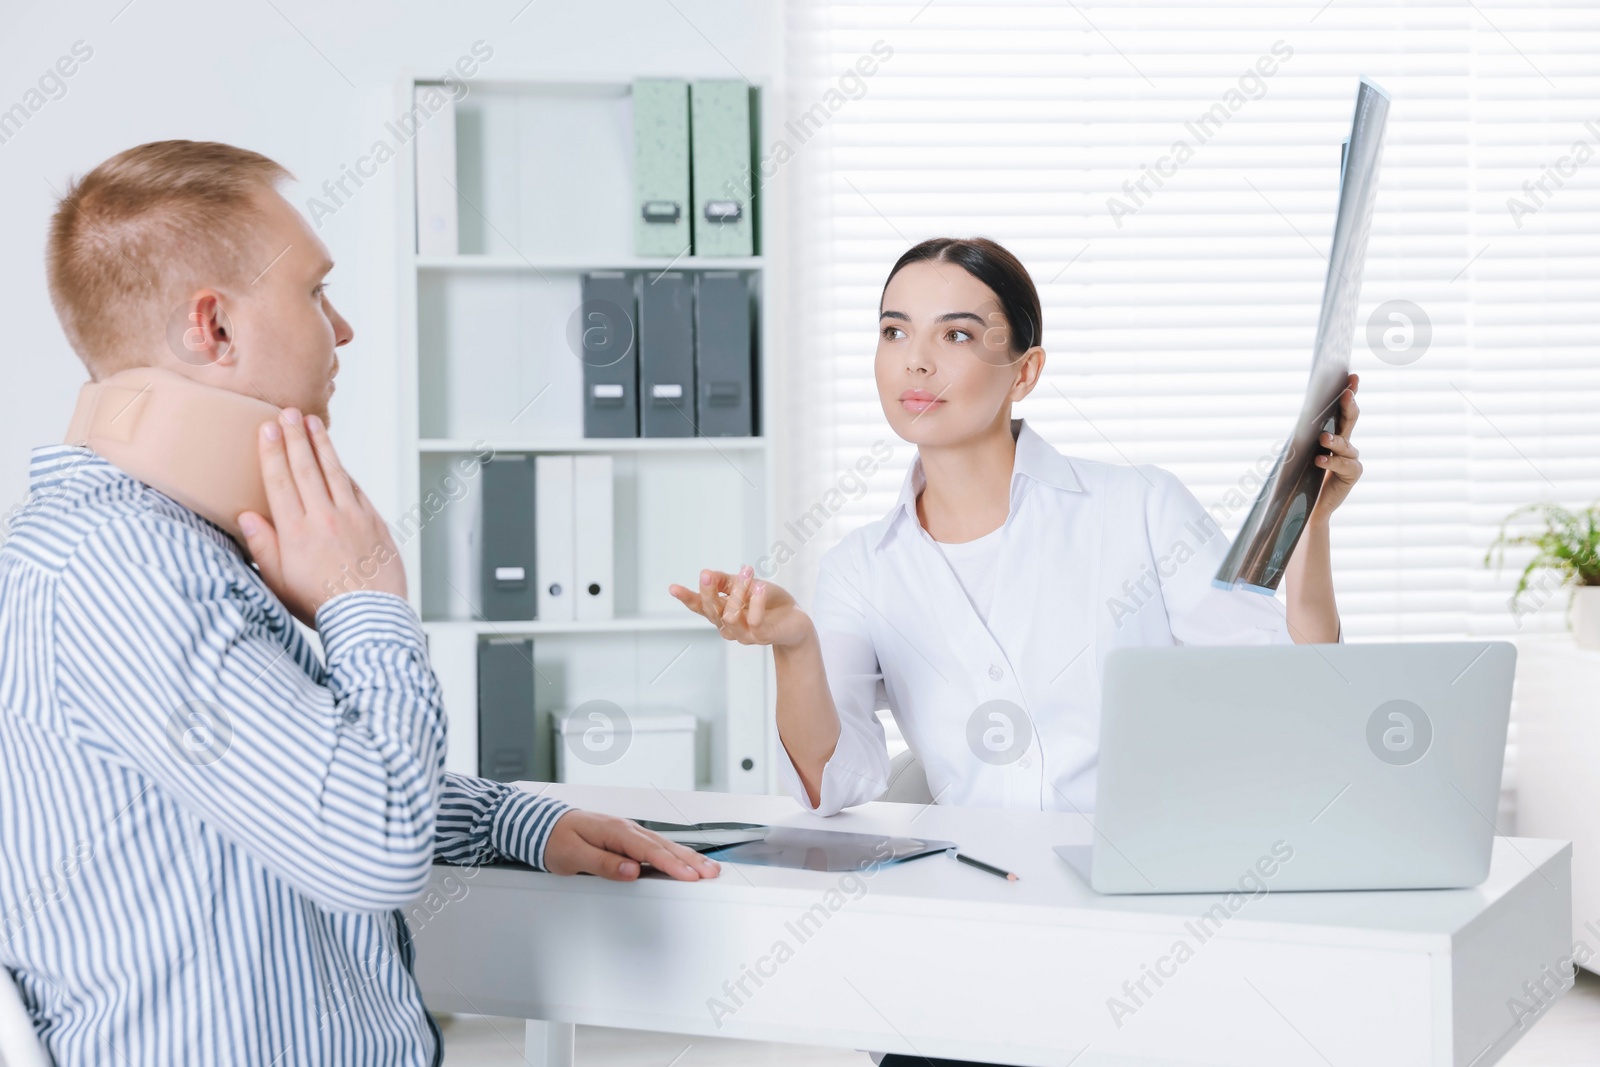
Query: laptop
(1298,767)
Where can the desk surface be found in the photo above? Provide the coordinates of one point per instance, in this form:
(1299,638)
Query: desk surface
(940,959)
(1022,841)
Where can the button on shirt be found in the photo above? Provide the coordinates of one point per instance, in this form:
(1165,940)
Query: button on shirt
(1004,711)
(210,838)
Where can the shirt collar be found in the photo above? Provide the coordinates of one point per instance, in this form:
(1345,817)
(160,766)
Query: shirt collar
(1036,460)
(51,465)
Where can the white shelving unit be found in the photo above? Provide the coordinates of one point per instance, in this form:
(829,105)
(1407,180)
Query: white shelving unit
(642,444)
(488,365)
(563,266)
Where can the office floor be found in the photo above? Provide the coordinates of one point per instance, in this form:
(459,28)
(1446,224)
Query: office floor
(1567,1036)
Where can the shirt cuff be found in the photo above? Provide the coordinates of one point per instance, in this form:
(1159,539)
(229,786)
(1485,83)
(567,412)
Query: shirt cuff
(843,786)
(367,615)
(521,828)
(789,779)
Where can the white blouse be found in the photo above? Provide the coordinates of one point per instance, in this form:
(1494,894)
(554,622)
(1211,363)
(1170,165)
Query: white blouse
(1006,713)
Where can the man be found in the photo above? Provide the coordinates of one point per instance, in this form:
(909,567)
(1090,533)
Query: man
(207,832)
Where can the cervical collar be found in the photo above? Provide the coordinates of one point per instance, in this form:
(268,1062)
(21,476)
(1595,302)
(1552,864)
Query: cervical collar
(193,442)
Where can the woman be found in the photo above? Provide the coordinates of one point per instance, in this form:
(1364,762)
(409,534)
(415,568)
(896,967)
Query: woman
(981,609)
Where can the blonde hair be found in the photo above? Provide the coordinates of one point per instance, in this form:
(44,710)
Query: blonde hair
(139,233)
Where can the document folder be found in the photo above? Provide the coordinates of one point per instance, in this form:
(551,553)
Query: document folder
(594,546)
(438,227)
(661,167)
(507,578)
(507,734)
(608,342)
(724,181)
(553,501)
(666,356)
(724,368)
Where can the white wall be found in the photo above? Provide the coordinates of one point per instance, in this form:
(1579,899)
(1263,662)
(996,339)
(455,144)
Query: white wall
(246,74)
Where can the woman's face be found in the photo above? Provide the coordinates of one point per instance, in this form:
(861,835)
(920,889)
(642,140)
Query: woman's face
(944,367)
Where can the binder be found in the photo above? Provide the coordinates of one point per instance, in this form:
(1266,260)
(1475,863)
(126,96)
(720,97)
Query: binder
(507,572)
(610,351)
(724,367)
(508,734)
(666,356)
(553,537)
(661,167)
(437,224)
(724,181)
(593,545)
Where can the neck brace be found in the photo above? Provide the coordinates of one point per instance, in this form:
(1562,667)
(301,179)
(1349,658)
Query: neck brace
(195,443)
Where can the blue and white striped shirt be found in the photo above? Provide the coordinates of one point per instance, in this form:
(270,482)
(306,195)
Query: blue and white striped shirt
(208,837)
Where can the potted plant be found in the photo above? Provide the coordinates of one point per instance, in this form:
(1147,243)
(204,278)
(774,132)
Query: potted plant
(1568,550)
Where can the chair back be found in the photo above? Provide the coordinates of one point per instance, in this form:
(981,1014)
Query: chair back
(19,1042)
(908,783)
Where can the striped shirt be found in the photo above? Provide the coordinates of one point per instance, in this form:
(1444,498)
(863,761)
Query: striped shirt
(211,838)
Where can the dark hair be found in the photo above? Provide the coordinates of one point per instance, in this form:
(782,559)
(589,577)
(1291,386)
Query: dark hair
(991,264)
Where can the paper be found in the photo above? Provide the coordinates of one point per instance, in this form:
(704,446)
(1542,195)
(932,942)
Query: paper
(1261,551)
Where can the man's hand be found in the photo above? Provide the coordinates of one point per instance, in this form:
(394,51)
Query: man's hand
(325,537)
(584,842)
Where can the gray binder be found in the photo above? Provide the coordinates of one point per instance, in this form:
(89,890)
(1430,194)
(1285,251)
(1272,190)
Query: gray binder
(724,363)
(666,356)
(507,587)
(507,734)
(609,344)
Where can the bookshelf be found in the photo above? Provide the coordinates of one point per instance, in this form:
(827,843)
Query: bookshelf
(545,195)
(486,263)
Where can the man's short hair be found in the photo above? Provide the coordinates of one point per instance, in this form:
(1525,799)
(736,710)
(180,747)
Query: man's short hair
(141,232)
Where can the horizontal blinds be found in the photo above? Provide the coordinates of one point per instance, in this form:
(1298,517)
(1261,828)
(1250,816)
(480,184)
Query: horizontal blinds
(1179,316)
(1534,411)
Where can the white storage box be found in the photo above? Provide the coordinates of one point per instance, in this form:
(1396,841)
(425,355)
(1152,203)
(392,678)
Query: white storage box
(597,743)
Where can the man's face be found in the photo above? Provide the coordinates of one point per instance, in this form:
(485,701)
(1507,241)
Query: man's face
(274,335)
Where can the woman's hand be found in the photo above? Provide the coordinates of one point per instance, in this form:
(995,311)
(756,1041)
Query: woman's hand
(1343,467)
(754,612)
(746,610)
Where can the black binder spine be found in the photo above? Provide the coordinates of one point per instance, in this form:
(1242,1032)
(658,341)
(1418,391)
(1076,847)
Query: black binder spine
(666,356)
(609,343)
(507,725)
(724,357)
(507,579)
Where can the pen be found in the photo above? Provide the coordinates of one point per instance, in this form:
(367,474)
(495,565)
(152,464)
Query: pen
(982,866)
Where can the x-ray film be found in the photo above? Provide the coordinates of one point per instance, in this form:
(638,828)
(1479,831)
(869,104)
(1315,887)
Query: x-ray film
(828,850)
(1266,540)
(707,836)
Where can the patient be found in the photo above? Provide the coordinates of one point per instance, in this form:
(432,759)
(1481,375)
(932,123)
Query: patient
(211,833)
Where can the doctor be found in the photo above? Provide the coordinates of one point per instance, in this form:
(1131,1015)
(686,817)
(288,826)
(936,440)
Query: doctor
(981,608)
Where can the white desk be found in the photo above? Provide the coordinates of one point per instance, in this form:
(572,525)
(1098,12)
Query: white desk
(935,958)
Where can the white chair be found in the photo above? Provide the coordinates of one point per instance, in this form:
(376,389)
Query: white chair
(19,1044)
(908,782)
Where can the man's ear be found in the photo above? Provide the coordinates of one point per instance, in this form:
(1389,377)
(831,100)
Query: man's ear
(200,332)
